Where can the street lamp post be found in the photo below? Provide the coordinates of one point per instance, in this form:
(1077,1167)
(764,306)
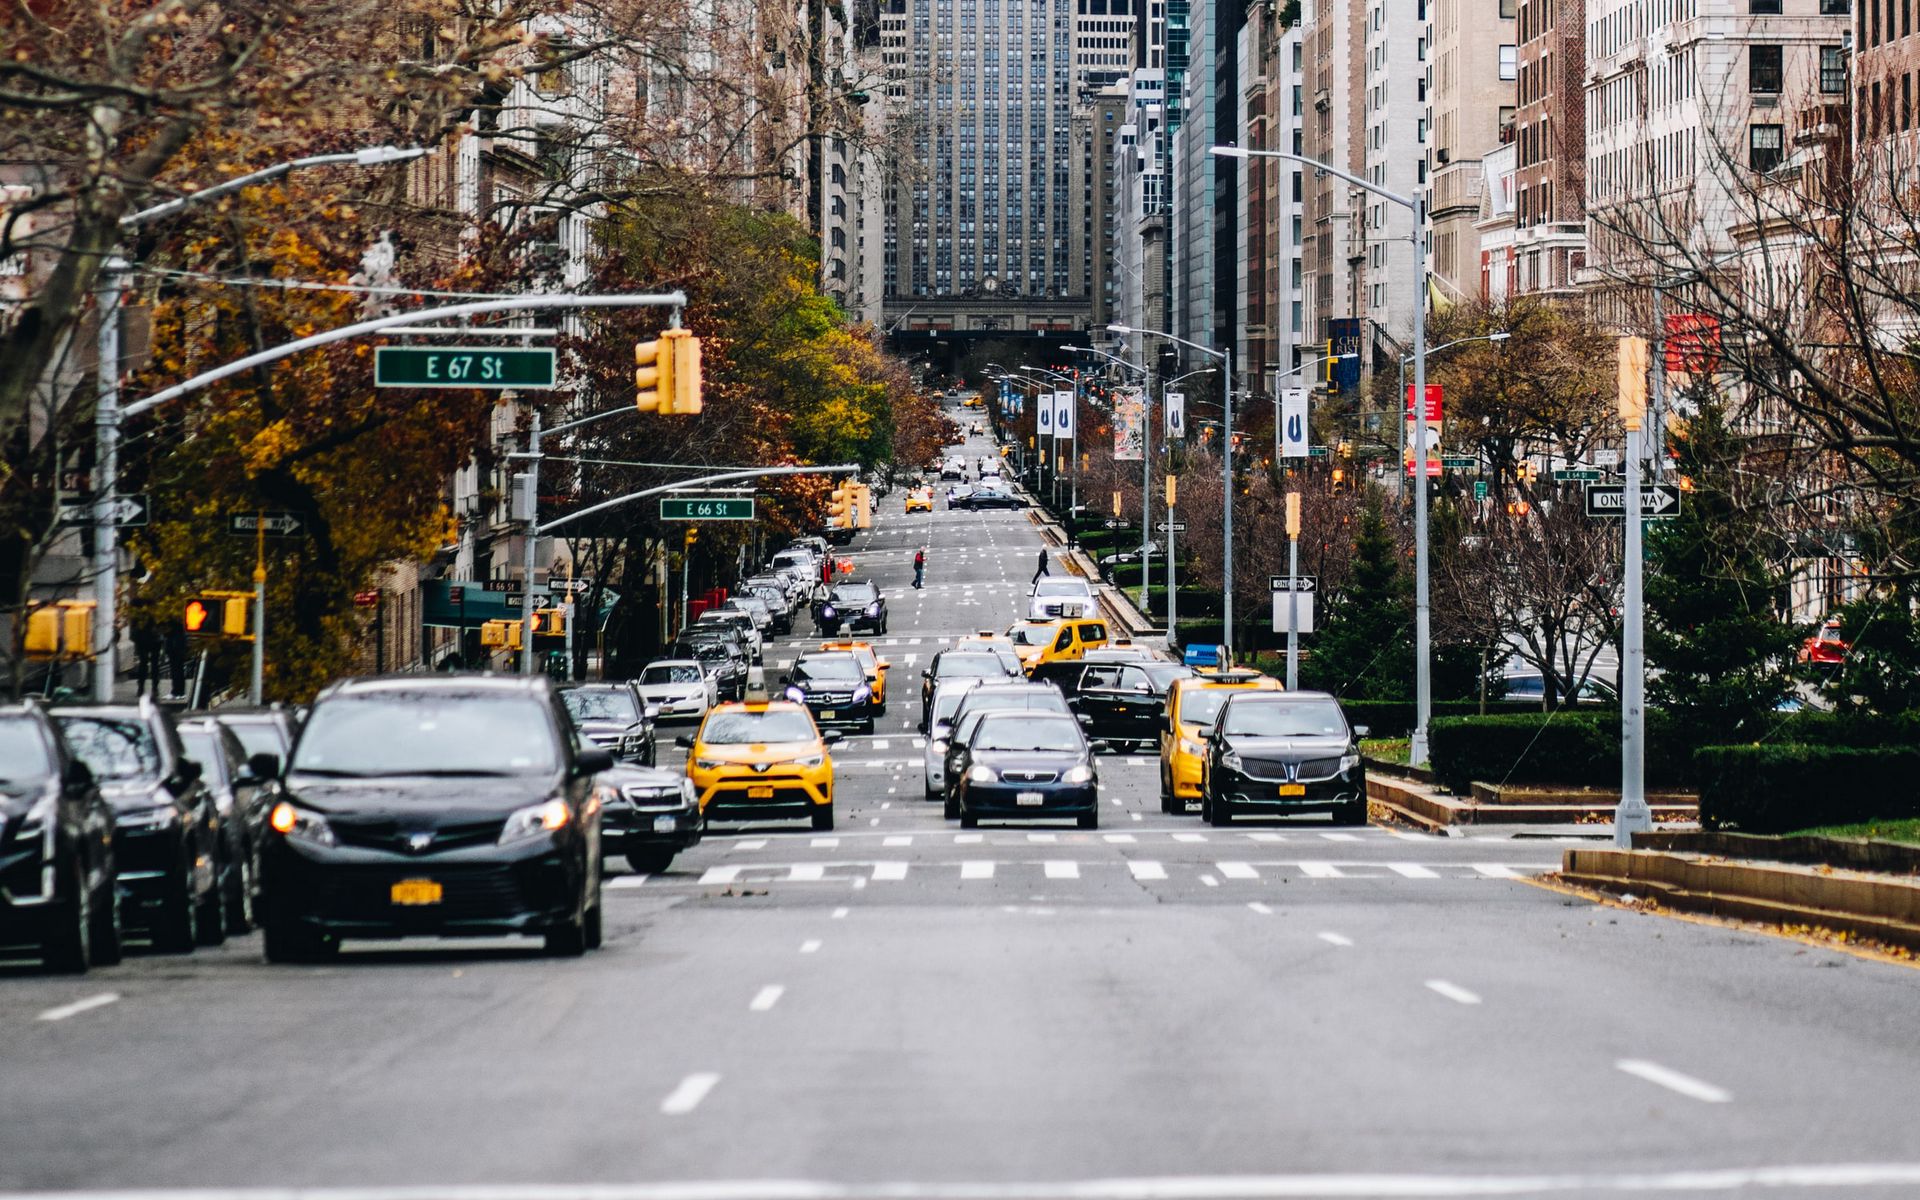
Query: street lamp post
(1226,470)
(107,414)
(1146,464)
(1277,377)
(1073,449)
(1423,591)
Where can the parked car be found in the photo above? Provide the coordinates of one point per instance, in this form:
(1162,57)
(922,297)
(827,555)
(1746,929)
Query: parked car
(1530,686)
(1056,596)
(647,816)
(742,624)
(1022,765)
(772,592)
(1283,752)
(166,838)
(679,688)
(449,805)
(57,880)
(833,687)
(613,716)
(243,799)
(851,607)
(1825,648)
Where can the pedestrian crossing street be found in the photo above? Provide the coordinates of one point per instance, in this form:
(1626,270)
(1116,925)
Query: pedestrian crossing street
(860,872)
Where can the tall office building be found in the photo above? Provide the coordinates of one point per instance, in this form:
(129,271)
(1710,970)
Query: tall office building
(1335,246)
(1473,64)
(1549,245)
(1394,151)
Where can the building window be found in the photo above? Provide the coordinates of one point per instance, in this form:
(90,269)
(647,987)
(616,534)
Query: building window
(1833,70)
(1509,62)
(1836,8)
(1765,8)
(1765,146)
(1765,67)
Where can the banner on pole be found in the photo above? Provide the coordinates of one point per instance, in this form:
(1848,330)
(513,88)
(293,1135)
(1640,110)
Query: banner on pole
(1176,405)
(1293,423)
(1043,415)
(1129,425)
(1063,414)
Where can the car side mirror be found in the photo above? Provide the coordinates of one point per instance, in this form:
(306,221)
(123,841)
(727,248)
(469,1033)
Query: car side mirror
(591,760)
(684,741)
(883,665)
(1204,733)
(833,738)
(263,767)
(79,774)
(652,712)
(189,772)
(1361,731)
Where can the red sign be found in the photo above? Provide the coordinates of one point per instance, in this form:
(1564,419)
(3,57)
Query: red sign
(1433,402)
(1433,468)
(367,599)
(1693,344)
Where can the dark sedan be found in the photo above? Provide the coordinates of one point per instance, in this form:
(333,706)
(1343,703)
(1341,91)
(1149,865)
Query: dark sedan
(987,497)
(1123,703)
(56,849)
(166,840)
(614,717)
(648,815)
(447,806)
(1026,765)
(243,800)
(833,685)
(1283,752)
(851,607)
(727,669)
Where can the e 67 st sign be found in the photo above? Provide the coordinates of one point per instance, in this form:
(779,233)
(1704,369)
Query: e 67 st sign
(462,367)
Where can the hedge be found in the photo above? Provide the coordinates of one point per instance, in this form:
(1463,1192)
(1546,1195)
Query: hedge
(1781,788)
(1396,718)
(1575,748)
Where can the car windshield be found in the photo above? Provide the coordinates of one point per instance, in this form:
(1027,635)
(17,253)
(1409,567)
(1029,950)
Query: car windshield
(1032,635)
(1202,705)
(855,593)
(600,704)
(113,749)
(1163,674)
(1031,699)
(258,737)
(1009,731)
(709,651)
(984,666)
(828,668)
(1284,718)
(24,754)
(678,673)
(1060,587)
(427,733)
(751,728)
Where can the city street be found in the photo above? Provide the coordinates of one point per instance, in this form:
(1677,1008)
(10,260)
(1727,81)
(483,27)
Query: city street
(1155,1008)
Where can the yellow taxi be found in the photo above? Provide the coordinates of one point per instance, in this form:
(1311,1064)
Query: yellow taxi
(1192,706)
(759,759)
(920,500)
(1050,641)
(870,662)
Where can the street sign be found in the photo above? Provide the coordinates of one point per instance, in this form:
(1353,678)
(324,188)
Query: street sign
(1606,458)
(1301,583)
(1576,475)
(1172,527)
(272,524)
(1283,607)
(1610,499)
(462,367)
(1479,489)
(1459,462)
(369,598)
(707,508)
(1318,451)
(128,512)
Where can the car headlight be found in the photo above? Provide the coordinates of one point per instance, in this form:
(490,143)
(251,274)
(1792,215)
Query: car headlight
(862,694)
(708,764)
(686,791)
(300,825)
(148,820)
(810,760)
(826,610)
(981,773)
(873,610)
(43,822)
(548,817)
(1230,760)
(796,695)
(1080,774)
(1348,762)
(1189,746)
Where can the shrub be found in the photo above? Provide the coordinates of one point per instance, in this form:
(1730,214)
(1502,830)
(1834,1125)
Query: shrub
(1395,718)
(1579,749)
(1780,788)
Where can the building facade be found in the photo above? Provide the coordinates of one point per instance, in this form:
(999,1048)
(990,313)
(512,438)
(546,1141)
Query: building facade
(1549,245)
(1473,65)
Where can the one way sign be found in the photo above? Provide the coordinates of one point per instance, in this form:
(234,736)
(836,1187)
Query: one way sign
(272,524)
(1301,583)
(128,511)
(1610,500)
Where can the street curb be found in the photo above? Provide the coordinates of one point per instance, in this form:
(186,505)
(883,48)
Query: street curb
(1885,909)
(1853,854)
(1426,805)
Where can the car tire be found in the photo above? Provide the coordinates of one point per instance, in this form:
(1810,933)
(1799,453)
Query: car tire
(172,929)
(568,940)
(283,940)
(652,862)
(1089,821)
(950,807)
(210,917)
(68,948)
(239,900)
(866,726)
(823,817)
(107,951)
(1222,812)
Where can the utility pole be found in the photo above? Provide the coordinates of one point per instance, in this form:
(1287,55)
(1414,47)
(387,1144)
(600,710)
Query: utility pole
(1293,591)
(1173,583)
(257,693)
(106,482)
(1633,814)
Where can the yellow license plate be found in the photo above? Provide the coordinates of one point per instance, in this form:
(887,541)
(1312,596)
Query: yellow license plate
(415,892)
(1293,789)
(759,793)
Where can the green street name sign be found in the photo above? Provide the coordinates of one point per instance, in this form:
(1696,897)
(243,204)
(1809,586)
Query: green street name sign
(1459,462)
(732,508)
(1317,451)
(1577,476)
(462,367)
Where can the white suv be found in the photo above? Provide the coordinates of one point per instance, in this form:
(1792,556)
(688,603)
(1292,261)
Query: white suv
(1053,598)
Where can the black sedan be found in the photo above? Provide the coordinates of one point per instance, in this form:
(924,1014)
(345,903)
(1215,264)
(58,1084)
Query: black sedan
(166,839)
(448,806)
(614,717)
(851,607)
(1283,752)
(648,815)
(987,497)
(243,800)
(1025,765)
(56,849)
(833,685)
(1123,703)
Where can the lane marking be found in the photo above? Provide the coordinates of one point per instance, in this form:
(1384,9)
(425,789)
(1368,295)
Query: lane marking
(1452,991)
(79,1006)
(1043,837)
(1321,870)
(825,843)
(626,881)
(687,1097)
(1341,837)
(1266,837)
(883,744)
(1674,1081)
(1260,908)
(721,875)
(1412,871)
(1136,816)
(897,840)
(1120,839)
(1237,870)
(976,869)
(1336,939)
(1495,871)
(810,946)
(839,914)
(1146,870)
(806,873)
(1189,837)
(886,872)
(968,839)
(1210,881)
(766,998)
(751,844)
(1060,868)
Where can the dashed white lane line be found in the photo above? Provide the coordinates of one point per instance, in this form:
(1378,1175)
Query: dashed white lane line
(1146,870)
(720,875)
(1210,881)
(976,869)
(810,946)
(873,820)
(767,997)
(1321,870)
(626,881)
(1341,837)
(1189,837)
(1266,837)
(1061,868)
(687,1097)
(806,872)
(1674,1081)
(1412,871)
(1336,939)
(882,744)
(897,841)
(1136,816)
(968,839)
(1237,870)
(884,872)
(1043,838)
(825,843)
(1495,870)
(74,1009)
(839,914)
(751,844)
(1260,908)
(1452,991)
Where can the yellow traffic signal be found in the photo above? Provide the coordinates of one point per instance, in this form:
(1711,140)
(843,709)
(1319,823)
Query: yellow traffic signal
(840,507)
(1520,471)
(1173,490)
(62,630)
(1632,354)
(196,616)
(862,506)
(233,617)
(686,373)
(653,376)
(43,632)
(550,622)
(501,635)
(693,535)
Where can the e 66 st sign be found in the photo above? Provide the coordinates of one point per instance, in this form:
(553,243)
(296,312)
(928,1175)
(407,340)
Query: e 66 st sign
(462,367)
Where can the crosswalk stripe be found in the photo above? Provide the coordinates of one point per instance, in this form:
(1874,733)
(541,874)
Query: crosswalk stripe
(1266,837)
(1144,869)
(882,744)
(751,844)
(976,869)
(806,872)
(1120,838)
(1059,868)
(1043,837)
(1495,871)
(1189,837)
(721,874)
(1237,870)
(1412,871)
(897,841)
(968,839)
(1341,837)
(825,843)
(884,872)
(626,881)
(1321,870)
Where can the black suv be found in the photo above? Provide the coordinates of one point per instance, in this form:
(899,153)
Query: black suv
(851,607)
(833,686)
(1283,752)
(166,840)
(450,805)
(56,848)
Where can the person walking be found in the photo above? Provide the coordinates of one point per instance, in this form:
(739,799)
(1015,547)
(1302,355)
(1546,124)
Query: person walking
(919,567)
(1042,569)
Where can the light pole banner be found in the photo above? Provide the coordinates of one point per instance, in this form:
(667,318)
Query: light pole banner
(1293,423)
(1176,404)
(1043,416)
(1129,425)
(1063,414)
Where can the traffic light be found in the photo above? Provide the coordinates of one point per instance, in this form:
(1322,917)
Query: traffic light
(197,615)
(1520,472)
(693,535)
(686,374)
(234,618)
(840,507)
(1633,381)
(62,630)
(43,632)
(653,374)
(862,506)
(1339,478)
(550,622)
(501,634)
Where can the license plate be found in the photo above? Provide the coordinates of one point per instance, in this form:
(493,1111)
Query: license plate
(1029,798)
(829,715)
(1293,789)
(759,793)
(664,824)
(416,892)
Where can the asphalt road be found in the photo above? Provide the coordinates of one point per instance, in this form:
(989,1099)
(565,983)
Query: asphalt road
(898,1009)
